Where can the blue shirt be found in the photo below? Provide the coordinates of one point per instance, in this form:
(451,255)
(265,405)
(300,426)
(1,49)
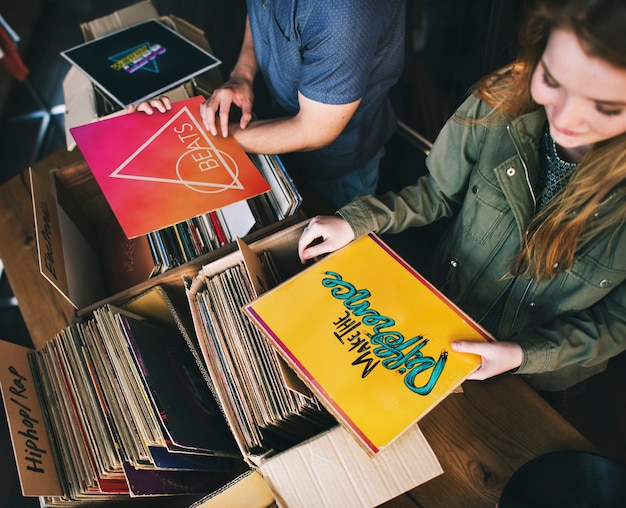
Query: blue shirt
(334,52)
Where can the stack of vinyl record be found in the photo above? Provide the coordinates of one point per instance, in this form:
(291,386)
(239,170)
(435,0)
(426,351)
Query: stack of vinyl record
(251,380)
(131,413)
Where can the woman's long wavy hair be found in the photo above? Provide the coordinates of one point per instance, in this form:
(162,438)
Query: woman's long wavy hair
(588,205)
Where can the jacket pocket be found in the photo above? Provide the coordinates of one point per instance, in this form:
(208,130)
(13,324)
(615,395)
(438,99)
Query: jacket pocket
(586,282)
(483,209)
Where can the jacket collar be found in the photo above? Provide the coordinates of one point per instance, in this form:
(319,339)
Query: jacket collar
(526,132)
(519,181)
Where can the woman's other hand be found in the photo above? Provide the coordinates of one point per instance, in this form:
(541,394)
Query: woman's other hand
(497,357)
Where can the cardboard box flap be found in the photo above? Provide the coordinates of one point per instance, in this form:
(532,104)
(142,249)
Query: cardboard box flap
(117,20)
(333,470)
(80,102)
(66,259)
(29,435)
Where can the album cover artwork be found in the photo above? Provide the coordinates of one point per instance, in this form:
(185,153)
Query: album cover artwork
(161,169)
(139,62)
(370,337)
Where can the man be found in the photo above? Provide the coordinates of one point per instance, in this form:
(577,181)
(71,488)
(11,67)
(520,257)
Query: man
(328,67)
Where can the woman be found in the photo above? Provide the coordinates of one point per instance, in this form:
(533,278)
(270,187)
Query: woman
(533,168)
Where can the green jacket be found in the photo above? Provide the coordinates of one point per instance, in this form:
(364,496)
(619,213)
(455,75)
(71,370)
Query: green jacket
(486,177)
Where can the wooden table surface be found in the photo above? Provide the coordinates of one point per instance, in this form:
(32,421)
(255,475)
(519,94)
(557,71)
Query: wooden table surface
(480,436)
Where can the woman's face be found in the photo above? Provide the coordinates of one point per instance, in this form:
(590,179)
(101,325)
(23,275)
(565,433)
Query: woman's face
(584,97)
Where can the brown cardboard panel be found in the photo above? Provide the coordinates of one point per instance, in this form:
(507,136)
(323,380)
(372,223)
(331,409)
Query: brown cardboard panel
(119,19)
(66,258)
(31,444)
(49,242)
(334,471)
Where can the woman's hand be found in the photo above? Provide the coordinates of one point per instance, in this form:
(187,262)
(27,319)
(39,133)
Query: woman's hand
(497,357)
(333,231)
(161,104)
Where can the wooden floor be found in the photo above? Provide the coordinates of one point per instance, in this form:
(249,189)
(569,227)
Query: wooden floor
(32,126)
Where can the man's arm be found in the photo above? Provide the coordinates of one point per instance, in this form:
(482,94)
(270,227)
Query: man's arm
(314,126)
(238,90)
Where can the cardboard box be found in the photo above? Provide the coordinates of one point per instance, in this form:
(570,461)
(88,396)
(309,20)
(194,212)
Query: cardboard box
(73,224)
(70,229)
(28,424)
(83,252)
(330,469)
(82,249)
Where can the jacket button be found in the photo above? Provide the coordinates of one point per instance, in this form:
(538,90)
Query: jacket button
(454,263)
(475,189)
(532,305)
(511,172)
(606,284)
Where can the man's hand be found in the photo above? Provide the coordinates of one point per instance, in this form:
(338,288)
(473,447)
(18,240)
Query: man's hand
(236,91)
